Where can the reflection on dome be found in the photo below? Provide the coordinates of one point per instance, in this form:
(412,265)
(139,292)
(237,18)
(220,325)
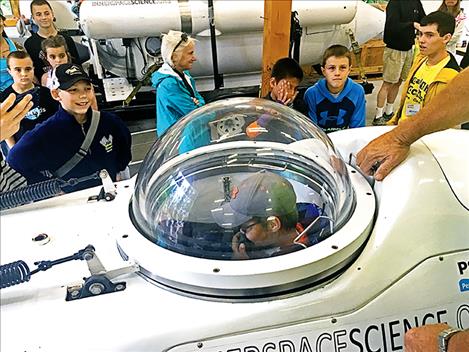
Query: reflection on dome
(241,179)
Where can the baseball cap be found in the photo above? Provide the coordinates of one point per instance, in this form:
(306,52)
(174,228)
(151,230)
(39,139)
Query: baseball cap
(262,195)
(66,75)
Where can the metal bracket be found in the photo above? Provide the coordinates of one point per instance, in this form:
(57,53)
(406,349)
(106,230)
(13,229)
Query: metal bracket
(100,280)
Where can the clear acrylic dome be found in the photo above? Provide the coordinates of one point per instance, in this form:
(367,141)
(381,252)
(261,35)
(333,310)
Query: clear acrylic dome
(241,178)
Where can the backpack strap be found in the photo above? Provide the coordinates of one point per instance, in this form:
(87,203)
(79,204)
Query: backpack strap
(81,153)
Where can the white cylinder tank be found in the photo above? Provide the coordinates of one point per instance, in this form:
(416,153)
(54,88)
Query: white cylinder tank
(107,19)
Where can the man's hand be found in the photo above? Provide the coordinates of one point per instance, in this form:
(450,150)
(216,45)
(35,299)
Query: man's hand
(239,249)
(10,120)
(382,155)
(424,338)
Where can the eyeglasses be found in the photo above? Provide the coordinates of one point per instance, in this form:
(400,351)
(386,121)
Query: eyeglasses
(184,38)
(248,226)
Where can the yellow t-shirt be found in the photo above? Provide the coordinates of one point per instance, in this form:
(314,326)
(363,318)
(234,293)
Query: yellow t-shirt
(418,87)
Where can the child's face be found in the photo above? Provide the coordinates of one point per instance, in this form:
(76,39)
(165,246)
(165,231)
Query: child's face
(336,71)
(43,16)
(284,89)
(56,56)
(77,99)
(22,72)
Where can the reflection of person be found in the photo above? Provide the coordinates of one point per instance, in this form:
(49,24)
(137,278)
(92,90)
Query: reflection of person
(176,94)
(336,102)
(399,34)
(447,109)
(432,70)
(9,125)
(51,148)
(436,338)
(453,7)
(264,205)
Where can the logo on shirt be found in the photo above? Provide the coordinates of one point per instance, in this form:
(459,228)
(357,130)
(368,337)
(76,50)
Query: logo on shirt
(107,143)
(35,113)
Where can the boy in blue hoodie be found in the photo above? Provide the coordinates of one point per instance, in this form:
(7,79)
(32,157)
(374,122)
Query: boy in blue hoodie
(336,102)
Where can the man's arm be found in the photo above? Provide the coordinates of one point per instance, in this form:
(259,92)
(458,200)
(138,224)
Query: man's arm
(447,109)
(425,339)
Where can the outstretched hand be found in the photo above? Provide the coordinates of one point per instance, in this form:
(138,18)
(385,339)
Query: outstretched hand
(10,120)
(382,155)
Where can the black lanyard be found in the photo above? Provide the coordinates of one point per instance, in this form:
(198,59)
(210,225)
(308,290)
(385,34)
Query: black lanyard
(186,84)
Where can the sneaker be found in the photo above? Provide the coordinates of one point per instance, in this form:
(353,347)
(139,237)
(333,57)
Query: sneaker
(388,117)
(379,121)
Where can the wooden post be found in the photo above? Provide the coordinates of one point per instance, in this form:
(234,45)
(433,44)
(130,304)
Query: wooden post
(277,17)
(11,20)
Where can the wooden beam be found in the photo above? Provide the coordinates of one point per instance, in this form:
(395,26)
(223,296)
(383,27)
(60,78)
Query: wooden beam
(11,20)
(277,17)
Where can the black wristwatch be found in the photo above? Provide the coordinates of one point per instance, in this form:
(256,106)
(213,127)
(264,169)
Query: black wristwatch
(443,338)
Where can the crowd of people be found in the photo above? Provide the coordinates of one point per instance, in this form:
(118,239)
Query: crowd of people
(49,106)
(335,102)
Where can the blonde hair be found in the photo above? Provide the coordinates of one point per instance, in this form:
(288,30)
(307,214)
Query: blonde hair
(454,11)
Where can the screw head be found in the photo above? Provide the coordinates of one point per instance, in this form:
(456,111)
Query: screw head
(96,288)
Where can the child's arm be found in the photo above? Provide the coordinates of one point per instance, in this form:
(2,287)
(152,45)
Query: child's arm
(44,80)
(358,117)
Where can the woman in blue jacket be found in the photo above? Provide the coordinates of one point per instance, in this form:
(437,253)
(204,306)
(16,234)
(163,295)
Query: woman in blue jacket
(176,94)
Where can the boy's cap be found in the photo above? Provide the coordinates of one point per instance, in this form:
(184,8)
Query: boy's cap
(262,195)
(66,75)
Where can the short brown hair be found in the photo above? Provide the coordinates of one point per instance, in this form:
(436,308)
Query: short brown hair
(18,54)
(337,51)
(53,42)
(38,3)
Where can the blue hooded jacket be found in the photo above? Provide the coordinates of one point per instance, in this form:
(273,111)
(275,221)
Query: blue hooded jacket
(333,114)
(173,99)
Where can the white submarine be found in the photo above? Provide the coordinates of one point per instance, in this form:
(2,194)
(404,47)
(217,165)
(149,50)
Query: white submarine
(151,268)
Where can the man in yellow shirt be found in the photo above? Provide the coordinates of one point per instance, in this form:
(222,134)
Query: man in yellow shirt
(432,70)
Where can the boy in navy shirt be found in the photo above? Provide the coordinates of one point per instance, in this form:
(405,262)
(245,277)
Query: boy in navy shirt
(336,102)
(20,67)
(42,152)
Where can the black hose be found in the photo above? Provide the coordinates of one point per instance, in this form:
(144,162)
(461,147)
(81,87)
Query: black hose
(31,193)
(14,273)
